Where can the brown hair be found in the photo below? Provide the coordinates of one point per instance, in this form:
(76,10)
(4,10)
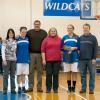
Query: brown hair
(75,35)
(37,21)
(0,39)
(23,28)
(13,32)
(71,26)
(86,24)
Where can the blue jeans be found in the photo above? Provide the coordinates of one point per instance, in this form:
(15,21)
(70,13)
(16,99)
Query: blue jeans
(83,66)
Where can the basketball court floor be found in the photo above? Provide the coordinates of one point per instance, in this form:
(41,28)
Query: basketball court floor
(61,95)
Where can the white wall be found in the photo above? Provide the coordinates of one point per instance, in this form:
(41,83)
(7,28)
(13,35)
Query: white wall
(16,13)
(13,14)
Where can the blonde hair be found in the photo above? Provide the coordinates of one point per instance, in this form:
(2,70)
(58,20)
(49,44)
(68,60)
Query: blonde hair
(51,29)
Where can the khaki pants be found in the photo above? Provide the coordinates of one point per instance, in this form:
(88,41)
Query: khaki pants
(35,59)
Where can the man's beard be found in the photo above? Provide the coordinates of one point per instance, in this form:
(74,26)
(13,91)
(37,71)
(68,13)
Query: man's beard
(37,29)
(86,33)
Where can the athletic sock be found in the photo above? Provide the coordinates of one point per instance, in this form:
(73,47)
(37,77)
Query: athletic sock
(69,83)
(74,83)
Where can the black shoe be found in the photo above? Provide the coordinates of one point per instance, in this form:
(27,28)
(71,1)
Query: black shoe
(23,90)
(73,89)
(69,89)
(55,91)
(29,90)
(91,92)
(13,91)
(82,91)
(19,89)
(39,90)
(4,92)
(48,91)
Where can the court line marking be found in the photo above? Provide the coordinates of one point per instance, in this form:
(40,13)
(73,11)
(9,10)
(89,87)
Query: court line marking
(30,97)
(80,96)
(74,93)
(67,90)
(37,96)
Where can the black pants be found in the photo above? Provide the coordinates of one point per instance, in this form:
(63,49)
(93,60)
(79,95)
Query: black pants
(52,75)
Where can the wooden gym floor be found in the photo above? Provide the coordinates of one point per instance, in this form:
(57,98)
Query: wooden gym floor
(61,95)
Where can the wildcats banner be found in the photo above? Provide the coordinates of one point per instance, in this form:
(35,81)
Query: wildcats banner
(86,11)
(62,7)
